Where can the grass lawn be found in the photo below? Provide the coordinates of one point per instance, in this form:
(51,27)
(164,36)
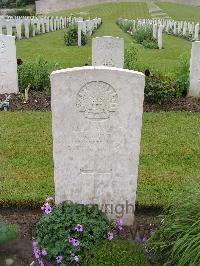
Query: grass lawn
(181,12)
(169,157)
(51,45)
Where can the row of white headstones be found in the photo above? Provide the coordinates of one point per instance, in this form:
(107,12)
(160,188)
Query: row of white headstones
(96,126)
(83,26)
(37,25)
(182,28)
(113,55)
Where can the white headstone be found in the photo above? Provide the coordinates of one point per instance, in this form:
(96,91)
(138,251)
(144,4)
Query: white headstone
(155,30)
(175,28)
(160,33)
(108,51)
(8,65)
(196,33)
(185,27)
(9,27)
(97,120)
(79,32)
(26,28)
(19,29)
(194,90)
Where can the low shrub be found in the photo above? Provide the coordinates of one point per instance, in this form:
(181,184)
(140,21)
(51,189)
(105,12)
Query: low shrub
(69,231)
(35,74)
(144,36)
(130,58)
(177,241)
(159,90)
(182,77)
(71,36)
(116,252)
(19,12)
(125,25)
(8,232)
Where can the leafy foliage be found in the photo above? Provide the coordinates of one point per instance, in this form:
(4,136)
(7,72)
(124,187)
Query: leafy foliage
(177,241)
(53,230)
(15,3)
(182,77)
(125,26)
(8,232)
(35,74)
(143,35)
(116,252)
(71,36)
(159,90)
(130,58)
(19,12)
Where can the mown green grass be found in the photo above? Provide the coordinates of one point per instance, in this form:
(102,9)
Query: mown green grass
(181,12)
(51,46)
(170,153)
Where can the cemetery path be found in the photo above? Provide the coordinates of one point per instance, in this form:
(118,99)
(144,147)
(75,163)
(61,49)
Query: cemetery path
(41,101)
(20,250)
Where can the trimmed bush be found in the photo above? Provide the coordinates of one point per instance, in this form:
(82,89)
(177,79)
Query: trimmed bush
(71,36)
(182,77)
(58,233)
(116,252)
(35,74)
(159,90)
(130,58)
(19,12)
(143,36)
(177,241)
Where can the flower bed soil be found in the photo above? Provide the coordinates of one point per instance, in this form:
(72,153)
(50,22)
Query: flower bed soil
(20,250)
(41,101)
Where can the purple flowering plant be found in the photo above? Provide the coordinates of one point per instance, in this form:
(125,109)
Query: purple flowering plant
(67,231)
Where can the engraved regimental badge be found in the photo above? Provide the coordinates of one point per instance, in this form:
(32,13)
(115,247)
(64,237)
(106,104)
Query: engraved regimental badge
(97,100)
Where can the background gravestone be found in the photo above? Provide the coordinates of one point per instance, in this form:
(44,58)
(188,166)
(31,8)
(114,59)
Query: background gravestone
(8,65)
(97,120)
(108,51)
(194,90)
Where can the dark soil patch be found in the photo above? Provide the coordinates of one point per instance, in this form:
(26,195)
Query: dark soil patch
(41,101)
(37,101)
(20,250)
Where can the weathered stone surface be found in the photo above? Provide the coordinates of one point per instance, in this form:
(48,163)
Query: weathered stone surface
(194,90)
(97,119)
(8,65)
(160,37)
(108,51)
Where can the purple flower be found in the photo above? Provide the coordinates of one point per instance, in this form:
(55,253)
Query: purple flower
(36,253)
(74,242)
(76,258)
(110,236)
(59,259)
(46,208)
(120,222)
(79,228)
(44,252)
(40,262)
(34,244)
(147,250)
